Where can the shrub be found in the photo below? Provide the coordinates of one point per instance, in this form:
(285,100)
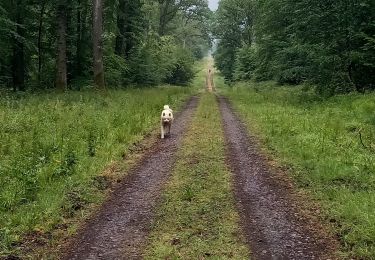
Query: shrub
(116,70)
(182,72)
(153,61)
(245,63)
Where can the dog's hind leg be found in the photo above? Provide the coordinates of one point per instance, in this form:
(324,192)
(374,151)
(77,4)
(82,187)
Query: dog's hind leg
(162,131)
(166,130)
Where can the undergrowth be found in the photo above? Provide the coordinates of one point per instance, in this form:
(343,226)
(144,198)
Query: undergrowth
(53,148)
(329,145)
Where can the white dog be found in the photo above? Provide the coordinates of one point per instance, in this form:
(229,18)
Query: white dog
(166,121)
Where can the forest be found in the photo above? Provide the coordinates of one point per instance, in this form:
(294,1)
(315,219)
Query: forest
(271,152)
(327,44)
(53,44)
(71,44)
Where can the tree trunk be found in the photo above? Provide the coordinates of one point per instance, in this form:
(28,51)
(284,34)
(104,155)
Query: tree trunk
(120,38)
(70,31)
(40,31)
(82,38)
(18,60)
(78,58)
(98,45)
(162,24)
(61,78)
(168,10)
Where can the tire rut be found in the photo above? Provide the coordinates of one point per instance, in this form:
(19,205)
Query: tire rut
(120,228)
(271,219)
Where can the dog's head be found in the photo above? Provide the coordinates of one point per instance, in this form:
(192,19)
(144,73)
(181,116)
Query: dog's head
(166,114)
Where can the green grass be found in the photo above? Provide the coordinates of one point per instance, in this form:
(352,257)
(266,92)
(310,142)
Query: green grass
(319,139)
(201,69)
(54,146)
(197,219)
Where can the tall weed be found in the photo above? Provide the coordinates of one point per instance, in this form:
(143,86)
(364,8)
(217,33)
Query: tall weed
(329,143)
(53,146)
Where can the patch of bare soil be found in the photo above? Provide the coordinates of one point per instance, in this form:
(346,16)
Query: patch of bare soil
(119,230)
(272,219)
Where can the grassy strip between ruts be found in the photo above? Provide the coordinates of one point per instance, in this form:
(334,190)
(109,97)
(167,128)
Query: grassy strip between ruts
(320,140)
(54,148)
(197,218)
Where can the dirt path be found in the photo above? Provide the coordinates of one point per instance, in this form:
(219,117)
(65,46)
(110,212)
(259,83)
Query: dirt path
(120,228)
(272,223)
(210,84)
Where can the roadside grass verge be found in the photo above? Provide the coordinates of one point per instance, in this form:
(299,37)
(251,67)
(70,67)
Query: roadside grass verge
(320,140)
(55,147)
(197,219)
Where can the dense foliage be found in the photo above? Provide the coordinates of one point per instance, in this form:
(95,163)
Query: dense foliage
(52,43)
(330,44)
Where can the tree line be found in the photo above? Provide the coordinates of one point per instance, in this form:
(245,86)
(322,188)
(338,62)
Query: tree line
(77,43)
(327,43)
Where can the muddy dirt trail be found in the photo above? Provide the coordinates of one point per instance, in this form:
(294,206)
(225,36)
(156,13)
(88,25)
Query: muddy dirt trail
(120,229)
(271,220)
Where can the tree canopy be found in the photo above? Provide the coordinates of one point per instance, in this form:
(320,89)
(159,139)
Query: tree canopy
(327,43)
(61,43)
(57,43)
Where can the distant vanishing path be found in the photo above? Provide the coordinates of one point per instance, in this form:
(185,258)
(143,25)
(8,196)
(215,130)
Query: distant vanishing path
(271,218)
